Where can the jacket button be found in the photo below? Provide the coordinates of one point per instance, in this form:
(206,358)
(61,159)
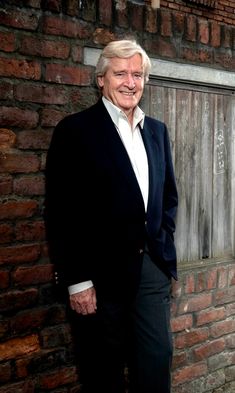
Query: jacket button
(141,251)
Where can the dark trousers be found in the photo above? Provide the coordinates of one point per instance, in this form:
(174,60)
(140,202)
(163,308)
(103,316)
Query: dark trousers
(134,337)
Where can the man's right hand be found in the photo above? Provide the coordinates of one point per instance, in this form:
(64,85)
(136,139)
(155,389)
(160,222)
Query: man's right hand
(84,302)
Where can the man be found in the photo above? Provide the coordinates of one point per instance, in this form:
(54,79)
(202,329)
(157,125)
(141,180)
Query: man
(110,206)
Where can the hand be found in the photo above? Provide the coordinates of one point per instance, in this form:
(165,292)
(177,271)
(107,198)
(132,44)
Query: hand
(84,302)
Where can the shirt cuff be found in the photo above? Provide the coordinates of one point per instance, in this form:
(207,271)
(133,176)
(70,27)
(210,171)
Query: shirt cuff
(80,287)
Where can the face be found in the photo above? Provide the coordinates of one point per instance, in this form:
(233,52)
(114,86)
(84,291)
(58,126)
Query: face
(123,82)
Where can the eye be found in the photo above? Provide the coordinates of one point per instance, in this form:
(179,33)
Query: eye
(138,75)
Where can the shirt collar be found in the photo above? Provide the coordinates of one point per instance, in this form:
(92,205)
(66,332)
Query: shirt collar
(116,113)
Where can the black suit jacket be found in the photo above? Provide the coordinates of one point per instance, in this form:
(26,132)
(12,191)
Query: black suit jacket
(97,225)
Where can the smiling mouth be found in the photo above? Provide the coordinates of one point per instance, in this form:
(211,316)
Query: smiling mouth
(128,93)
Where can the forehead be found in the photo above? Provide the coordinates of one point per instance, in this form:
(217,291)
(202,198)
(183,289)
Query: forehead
(133,62)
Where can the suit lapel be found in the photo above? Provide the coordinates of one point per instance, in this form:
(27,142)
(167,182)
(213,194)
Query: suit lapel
(155,170)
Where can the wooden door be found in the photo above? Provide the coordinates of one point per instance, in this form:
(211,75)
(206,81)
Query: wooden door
(201,124)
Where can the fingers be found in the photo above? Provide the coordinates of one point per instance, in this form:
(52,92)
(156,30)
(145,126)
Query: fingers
(84,302)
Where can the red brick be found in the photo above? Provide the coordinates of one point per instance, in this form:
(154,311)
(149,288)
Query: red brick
(50,117)
(16,117)
(44,48)
(195,303)
(208,349)
(190,338)
(53,380)
(7,41)
(36,139)
(6,184)
(200,282)
(41,94)
(19,19)
(215,34)
(102,36)
(137,16)
(6,90)
(26,386)
(189,286)
(5,372)
(4,282)
(212,279)
(183,322)
(150,20)
(166,23)
(19,346)
(15,300)
(36,318)
(30,230)
(52,5)
(33,275)
(203,31)
(6,233)
(231,275)
(191,31)
(179,22)
(211,315)
(16,163)
(188,373)
(7,138)
(77,54)
(224,296)
(179,360)
(30,185)
(105,12)
(19,253)
(81,76)
(221,328)
(222,277)
(66,27)
(25,69)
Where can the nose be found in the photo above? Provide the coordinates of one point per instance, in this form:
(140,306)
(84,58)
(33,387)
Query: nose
(130,81)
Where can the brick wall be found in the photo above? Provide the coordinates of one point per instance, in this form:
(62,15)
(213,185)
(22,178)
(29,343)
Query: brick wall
(42,78)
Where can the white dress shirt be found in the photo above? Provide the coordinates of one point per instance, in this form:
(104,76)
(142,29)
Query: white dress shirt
(133,142)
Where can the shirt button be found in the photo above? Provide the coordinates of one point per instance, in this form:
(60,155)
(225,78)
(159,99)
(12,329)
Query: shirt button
(141,251)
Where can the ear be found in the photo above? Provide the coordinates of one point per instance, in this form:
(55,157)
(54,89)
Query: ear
(100,81)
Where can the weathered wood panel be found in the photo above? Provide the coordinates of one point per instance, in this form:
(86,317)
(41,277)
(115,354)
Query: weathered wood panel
(202,126)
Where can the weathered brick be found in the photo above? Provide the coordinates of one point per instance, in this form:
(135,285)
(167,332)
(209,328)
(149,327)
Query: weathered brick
(224,296)
(30,230)
(6,90)
(190,338)
(7,41)
(66,27)
(35,139)
(81,76)
(5,372)
(54,95)
(53,380)
(195,303)
(203,31)
(209,349)
(6,233)
(36,318)
(16,300)
(19,346)
(19,253)
(29,185)
(191,28)
(182,322)
(19,19)
(37,274)
(210,315)
(16,117)
(14,162)
(44,48)
(50,117)
(219,329)
(105,12)
(4,282)
(25,69)
(166,23)
(7,138)
(6,184)
(190,372)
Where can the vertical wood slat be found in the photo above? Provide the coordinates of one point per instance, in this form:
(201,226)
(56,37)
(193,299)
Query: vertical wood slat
(201,126)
